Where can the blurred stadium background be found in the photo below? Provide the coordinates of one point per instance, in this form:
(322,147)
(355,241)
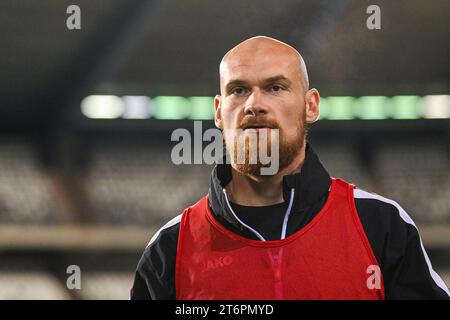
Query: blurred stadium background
(86,117)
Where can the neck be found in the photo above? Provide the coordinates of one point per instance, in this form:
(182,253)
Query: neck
(255,191)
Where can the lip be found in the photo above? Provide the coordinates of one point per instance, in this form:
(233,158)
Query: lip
(257,127)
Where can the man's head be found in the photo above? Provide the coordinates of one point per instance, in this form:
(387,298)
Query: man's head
(264,83)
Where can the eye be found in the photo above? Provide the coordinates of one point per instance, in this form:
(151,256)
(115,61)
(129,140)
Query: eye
(276,88)
(239,91)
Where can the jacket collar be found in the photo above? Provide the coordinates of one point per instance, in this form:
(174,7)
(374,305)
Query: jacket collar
(310,185)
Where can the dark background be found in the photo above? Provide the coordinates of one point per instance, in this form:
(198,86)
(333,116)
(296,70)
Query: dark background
(92,192)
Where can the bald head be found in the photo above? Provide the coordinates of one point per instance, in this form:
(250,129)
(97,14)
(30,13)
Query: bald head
(263,49)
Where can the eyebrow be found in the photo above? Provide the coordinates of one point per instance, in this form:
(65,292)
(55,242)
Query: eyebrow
(238,82)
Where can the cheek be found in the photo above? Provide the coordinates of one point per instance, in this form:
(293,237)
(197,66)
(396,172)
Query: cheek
(230,116)
(291,126)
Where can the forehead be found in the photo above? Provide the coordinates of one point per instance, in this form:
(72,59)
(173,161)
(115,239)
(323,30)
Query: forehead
(248,65)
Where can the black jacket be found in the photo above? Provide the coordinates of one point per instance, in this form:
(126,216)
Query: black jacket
(395,241)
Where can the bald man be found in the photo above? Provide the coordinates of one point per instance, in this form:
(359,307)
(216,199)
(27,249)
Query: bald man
(296,233)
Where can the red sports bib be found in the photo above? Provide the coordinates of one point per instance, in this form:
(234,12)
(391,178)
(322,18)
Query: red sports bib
(329,258)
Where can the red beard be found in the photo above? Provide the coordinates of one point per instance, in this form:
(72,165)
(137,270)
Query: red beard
(246,156)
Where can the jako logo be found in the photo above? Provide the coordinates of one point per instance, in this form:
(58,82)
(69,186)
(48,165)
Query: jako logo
(218,263)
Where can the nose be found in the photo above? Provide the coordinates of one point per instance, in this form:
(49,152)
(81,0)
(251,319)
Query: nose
(254,104)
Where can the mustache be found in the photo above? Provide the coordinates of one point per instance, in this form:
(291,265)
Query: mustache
(258,122)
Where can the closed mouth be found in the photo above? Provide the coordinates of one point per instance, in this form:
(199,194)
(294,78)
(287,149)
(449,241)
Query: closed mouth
(256,127)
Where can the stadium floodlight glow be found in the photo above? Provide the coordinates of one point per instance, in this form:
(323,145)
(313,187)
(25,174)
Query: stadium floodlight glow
(341,108)
(171,108)
(202,108)
(370,107)
(405,107)
(331,107)
(436,107)
(136,107)
(324,108)
(102,107)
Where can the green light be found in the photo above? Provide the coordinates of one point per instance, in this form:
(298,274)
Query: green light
(341,108)
(202,108)
(171,108)
(324,108)
(405,107)
(331,108)
(371,107)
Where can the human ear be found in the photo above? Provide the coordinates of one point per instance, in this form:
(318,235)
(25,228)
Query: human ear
(312,99)
(218,113)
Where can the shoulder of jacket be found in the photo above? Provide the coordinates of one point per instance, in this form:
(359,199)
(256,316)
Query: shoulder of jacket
(169,229)
(379,208)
